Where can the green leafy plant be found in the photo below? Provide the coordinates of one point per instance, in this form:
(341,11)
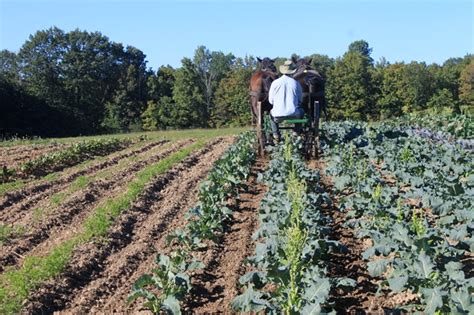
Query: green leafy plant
(167,284)
(291,256)
(166,287)
(412,206)
(72,155)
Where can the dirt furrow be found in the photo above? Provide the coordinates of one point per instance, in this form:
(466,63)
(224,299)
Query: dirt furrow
(22,213)
(100,274)
(363,298)
(60,223)
(350,265)
(27,197)
(218,284)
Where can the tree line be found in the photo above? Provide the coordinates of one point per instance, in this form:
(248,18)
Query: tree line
(71,83)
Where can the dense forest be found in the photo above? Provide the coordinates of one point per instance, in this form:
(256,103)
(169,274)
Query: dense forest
(78,83)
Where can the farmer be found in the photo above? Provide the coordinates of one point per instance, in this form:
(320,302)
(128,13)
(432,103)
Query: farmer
(285,95)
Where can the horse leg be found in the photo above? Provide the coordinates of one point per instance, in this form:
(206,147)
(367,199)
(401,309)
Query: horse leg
(324,108)
(253,108)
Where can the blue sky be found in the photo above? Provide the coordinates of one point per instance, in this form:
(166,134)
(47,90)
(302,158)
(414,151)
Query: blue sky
(166,30)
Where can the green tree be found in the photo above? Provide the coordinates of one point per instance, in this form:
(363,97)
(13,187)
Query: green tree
(448,75)
(232,105)
(129,100)
(158,115)
(392,88)
(466,85)
(350,85)
(361,47)
(442,102)
(161,83)
(190,109)
(9,66)
(150,117)
(41,59)
(211,67)
(24,114)
(78,73)
(322,63)
(405,88)
(90,76)
(418,87)
(160,104)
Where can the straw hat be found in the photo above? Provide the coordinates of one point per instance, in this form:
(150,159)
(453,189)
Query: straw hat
(288,67)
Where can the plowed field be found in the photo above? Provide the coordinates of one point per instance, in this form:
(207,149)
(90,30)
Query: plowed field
(96,273)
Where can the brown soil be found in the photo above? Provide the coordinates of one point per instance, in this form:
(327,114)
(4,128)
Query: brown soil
(61,222)
(214,287)
(27,197)
(100,274)
(363,299)
(14,156)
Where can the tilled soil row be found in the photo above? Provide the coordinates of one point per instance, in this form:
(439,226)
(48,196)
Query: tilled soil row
(26,148)
(100,274)
(347,264)
(351,265)
(20,214)
(74,211)
(12,157)
(214,287)
(364,298)
(40,190)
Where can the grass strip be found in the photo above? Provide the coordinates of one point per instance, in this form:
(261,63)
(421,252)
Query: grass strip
(82,181)
(15,285)
(20,183)
(6,187)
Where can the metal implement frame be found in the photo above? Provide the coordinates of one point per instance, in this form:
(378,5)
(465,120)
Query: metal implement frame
(311,128)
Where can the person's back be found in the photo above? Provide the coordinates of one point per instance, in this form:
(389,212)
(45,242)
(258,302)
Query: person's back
(285,96)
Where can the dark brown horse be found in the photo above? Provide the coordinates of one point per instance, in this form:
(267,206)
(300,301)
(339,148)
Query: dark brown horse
(260,85)
(312,83)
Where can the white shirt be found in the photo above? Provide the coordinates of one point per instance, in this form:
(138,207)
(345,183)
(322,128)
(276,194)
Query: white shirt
(285,95)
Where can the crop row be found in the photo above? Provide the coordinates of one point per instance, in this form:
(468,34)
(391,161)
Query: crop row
(169,281)
(455,126)
(291,255)
(17,283)
(55,161)
(413,199)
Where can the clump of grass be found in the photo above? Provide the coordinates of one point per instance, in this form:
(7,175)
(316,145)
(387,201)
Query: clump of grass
(8,231)
(15,285)
(6,187)
(58,198)
(38,214)
(51,176)
(80,182)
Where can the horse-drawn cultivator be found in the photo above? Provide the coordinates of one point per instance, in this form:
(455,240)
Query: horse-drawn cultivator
(313,103)
(309,131)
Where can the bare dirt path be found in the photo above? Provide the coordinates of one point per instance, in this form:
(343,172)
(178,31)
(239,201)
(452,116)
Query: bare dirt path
(62,222)
(218,284)
(100,274)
